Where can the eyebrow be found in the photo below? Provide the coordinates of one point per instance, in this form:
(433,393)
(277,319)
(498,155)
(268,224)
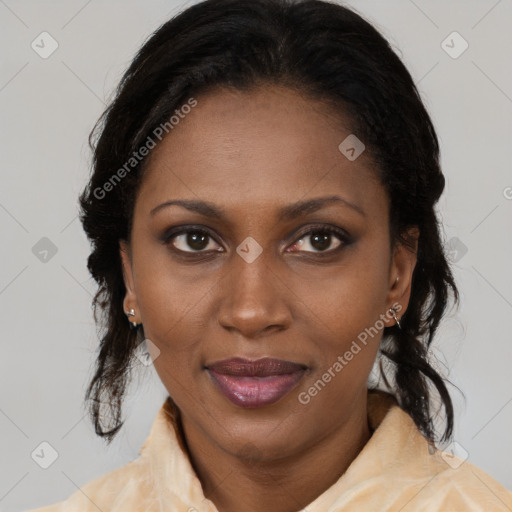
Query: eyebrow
(287,212)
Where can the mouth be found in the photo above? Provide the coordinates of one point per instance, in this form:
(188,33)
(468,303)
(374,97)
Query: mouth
(252,384)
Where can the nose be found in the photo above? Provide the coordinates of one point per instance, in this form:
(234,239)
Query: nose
(254,300)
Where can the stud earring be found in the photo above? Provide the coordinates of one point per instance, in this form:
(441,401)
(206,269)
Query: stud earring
(133,325)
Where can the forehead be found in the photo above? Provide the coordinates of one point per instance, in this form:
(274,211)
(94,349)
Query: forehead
(260,148)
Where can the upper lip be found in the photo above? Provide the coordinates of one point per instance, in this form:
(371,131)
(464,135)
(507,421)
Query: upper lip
(266,366)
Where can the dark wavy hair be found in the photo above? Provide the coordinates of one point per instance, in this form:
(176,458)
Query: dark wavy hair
(327,52)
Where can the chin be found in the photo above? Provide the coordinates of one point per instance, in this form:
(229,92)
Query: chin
(265,444)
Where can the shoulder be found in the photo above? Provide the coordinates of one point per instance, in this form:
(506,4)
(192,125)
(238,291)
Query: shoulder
(441,481)
(406,474)
(455,484)
(140,484)
(121,489)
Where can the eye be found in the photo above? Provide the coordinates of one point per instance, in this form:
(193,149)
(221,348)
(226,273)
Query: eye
(320,239)
(199,240)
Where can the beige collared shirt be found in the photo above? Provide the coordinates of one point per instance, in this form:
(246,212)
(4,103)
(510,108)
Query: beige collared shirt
(393,472)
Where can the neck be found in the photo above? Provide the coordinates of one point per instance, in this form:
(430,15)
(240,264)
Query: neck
(244,482)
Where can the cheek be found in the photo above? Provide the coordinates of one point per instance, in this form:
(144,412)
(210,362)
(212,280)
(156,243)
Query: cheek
(350,293)
(345,312)
(173,308)
(346,336)
(172,297)
(174,316)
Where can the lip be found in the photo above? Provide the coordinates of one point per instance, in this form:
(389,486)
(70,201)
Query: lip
(250,384)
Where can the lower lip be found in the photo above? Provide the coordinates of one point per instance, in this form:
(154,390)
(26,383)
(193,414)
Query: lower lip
(251,392)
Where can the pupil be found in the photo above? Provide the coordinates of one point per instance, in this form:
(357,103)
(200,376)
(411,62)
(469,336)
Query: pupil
(321,242)
(197,241)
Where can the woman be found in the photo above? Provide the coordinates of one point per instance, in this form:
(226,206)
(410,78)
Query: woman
(262,219)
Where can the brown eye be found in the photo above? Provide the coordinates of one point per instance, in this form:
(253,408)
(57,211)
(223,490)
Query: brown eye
(192,241)
(324,239)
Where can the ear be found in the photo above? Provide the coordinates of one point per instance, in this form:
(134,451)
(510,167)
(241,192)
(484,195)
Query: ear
(130,299)
(400,275)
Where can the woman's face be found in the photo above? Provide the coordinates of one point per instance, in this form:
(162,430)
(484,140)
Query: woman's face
(262,284)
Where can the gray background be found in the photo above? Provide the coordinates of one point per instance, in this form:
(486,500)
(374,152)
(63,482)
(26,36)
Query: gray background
(48,336)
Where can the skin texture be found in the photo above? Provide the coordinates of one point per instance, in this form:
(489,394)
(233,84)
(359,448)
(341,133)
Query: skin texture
(251,153)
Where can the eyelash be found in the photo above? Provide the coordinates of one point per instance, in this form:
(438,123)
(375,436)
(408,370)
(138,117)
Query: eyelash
(322,228)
